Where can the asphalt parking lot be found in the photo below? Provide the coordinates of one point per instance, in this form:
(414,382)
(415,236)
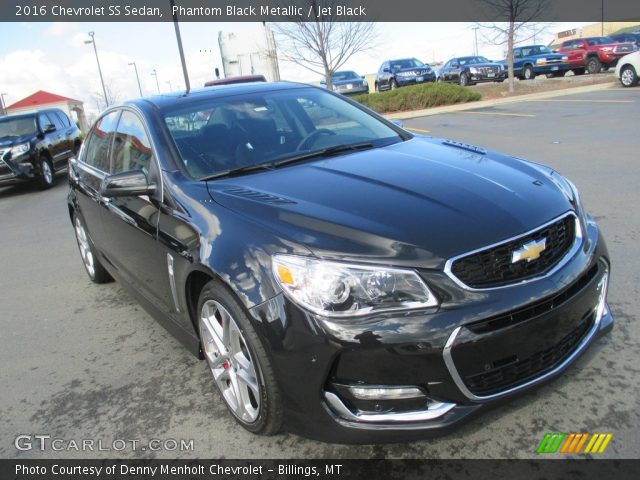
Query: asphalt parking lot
(82,361)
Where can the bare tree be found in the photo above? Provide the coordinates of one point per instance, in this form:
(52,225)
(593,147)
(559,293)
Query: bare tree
(518,16)
(323,44)
(113,96)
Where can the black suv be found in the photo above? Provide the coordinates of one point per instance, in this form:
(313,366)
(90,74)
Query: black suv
(401,72)
(343,278)
(34,146)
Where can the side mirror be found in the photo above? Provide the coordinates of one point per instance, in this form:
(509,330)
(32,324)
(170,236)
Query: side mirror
(397,123)
(127,184)
(323,82)
(362,77)
(50,128)
(386,70)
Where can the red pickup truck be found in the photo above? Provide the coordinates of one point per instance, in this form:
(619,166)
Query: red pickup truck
(594,54)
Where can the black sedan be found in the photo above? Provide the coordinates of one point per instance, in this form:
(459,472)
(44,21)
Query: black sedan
(348,82)
(342,278)
(471,70)
(402,72)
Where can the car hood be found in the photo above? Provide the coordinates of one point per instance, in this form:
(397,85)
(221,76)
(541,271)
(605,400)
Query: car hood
(417,202)
(414,69)
(13,140)
(487,64)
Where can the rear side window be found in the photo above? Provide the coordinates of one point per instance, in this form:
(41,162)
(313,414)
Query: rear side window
(63,118)
(99,140)
(131,146)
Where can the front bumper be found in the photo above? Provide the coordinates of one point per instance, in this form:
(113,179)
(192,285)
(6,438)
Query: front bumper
(449,354)
(354,90)
(543,69)
(413,80)
(481,77)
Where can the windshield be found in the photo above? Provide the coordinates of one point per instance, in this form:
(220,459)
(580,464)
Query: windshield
(263,128)
(337,76)
(600,40)
(406,63)
(473,60)
(17,127)
(535,50)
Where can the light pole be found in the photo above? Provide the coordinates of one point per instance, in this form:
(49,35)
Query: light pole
(155,74)
(170,87)
(95,49)
(4,105)
(475,44)
(137,77)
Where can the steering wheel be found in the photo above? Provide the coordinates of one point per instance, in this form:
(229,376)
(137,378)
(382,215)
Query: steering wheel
(308,140)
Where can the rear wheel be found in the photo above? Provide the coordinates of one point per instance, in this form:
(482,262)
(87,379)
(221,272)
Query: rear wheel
(628,76)
(92,265)
(593,65)
(46,173)
(238,362)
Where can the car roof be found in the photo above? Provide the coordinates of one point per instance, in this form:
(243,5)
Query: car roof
(171,99)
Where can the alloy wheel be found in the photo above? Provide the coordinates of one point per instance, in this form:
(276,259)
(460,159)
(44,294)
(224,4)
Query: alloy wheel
(230,361)
(47,174)
(85,248)
(627,77)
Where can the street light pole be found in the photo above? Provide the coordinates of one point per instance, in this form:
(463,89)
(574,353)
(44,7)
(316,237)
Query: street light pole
(137,77)
(4,105)
(155,74)
(170,87)
(95,49)
(475,33)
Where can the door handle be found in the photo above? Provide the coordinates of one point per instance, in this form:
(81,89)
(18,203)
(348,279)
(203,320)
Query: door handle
(116,210)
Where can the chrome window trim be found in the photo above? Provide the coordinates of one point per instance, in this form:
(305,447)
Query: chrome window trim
(577,243)
(600,310)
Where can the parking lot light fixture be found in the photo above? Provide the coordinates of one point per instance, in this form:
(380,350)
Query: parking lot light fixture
(155,74)
(95,49)
(137,77)
(3,104)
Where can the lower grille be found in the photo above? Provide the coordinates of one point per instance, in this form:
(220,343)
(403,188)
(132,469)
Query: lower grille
(514,372)
(493,267)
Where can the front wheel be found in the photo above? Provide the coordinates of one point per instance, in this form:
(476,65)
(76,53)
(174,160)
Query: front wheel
(628,76)
(46,173)
(392,84)
(528,73)
(464,79)
(593,66)
(92,265)
(238,362)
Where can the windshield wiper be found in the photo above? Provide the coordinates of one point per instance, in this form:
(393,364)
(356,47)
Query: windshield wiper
(323,153)
(233,171)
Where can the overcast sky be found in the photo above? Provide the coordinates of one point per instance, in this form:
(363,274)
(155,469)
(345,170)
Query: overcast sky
(54,57)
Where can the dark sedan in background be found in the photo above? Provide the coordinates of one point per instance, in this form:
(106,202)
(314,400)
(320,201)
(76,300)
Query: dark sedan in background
(399,73)
(471,70)
(34,146)
(343,278)
(348,82)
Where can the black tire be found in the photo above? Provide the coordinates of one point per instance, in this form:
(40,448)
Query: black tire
(628,76)
(556,74)
(92,265)
(46,178)
(593,65)
(464,79)
(270,412)
(392,84)
(439,79)
(528,73)
(578,71)
(377,87)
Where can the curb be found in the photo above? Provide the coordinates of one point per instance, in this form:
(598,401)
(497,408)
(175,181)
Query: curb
(498,101)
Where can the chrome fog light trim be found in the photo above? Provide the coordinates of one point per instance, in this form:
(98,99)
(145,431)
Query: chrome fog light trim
(372,392)
(435,410)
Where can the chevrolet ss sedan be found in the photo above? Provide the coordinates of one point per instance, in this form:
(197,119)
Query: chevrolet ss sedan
(343,279)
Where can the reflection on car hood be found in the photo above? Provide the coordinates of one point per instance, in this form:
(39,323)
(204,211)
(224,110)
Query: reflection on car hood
(11,141)
(349,80)
(417,202)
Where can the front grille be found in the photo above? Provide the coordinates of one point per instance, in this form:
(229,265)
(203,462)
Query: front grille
(493,267)
(488,70)
(512,372)
(533,310)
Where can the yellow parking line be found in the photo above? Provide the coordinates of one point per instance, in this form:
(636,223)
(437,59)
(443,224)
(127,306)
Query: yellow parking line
(500,113)
(583,101)
(419,130)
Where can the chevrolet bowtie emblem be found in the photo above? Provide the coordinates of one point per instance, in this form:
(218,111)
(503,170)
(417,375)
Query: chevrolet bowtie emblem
(529,251)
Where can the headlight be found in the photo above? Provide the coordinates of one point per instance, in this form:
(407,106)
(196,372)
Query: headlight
(565,58)
(541,61)
(571,192)
(340,290)
(474,70)
(607,49)
(20,149)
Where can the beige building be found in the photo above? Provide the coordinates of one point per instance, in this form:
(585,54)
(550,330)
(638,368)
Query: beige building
(593,30)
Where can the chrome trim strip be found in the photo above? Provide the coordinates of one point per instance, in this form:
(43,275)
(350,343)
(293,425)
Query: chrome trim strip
(437,410)
(172,282)
(600,309)
(563,261)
